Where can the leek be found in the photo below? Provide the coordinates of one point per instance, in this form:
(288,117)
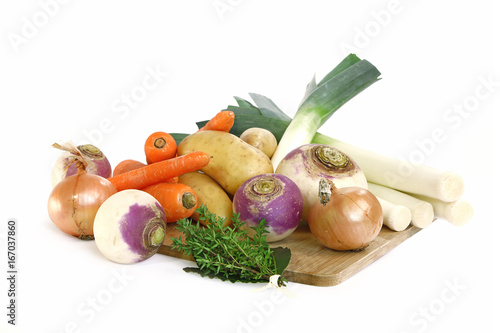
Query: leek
(422,212)
(384,170)
(392,172)
(351,76)
(446,186)
(321,100)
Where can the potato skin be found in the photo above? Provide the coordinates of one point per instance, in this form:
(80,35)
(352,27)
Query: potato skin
(261,139)
(233,160)
(210,193)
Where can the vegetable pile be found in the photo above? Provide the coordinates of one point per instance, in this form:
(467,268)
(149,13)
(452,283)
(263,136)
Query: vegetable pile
(246,178)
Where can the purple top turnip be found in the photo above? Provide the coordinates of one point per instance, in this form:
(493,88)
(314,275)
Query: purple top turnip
(129,226)
(273,197)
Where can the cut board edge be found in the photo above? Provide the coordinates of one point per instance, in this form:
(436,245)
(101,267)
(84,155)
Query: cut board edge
(329,280)
(314,279)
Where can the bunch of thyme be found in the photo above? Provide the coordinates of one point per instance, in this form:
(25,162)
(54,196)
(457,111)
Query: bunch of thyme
(229,253)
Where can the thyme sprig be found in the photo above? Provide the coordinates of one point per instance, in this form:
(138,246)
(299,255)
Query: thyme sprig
(229,253)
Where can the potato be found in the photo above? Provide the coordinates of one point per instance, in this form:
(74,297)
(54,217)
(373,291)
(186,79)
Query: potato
(261,139)
(232,162)
(210,193)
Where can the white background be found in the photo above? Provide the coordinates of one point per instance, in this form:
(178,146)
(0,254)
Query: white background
(66,66)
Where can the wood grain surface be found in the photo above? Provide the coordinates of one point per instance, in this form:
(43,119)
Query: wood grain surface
(314,264)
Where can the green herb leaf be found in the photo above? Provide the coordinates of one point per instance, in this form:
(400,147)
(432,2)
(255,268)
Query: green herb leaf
(228,253)
(211,275)
(282,256)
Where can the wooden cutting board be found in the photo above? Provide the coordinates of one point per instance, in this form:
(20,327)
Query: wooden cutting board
(314,264)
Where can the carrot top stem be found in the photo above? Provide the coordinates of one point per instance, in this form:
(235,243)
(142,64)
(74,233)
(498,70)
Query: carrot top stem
(159,146)
(160,143)
(188,200)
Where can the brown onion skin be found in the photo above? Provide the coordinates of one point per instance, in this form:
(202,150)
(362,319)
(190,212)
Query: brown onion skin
(74,201)
(351,220)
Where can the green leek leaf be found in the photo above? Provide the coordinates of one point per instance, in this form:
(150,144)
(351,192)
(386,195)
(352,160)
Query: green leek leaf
(178,137)
(351,76)
(243,122)
(242,103)
(339,88)
(268,108)
(348,61)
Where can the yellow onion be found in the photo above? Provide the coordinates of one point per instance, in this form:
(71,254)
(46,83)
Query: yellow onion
(347,218)
(74,201)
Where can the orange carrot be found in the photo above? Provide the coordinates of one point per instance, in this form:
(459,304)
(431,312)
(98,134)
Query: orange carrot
(159,146)
(160,172)
(178,200)
(222,121)
(127,165)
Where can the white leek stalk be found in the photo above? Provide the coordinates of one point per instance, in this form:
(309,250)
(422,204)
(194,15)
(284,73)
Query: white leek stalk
(458,212)
(394,173)
(300,131)
(422,213)
(396,217)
